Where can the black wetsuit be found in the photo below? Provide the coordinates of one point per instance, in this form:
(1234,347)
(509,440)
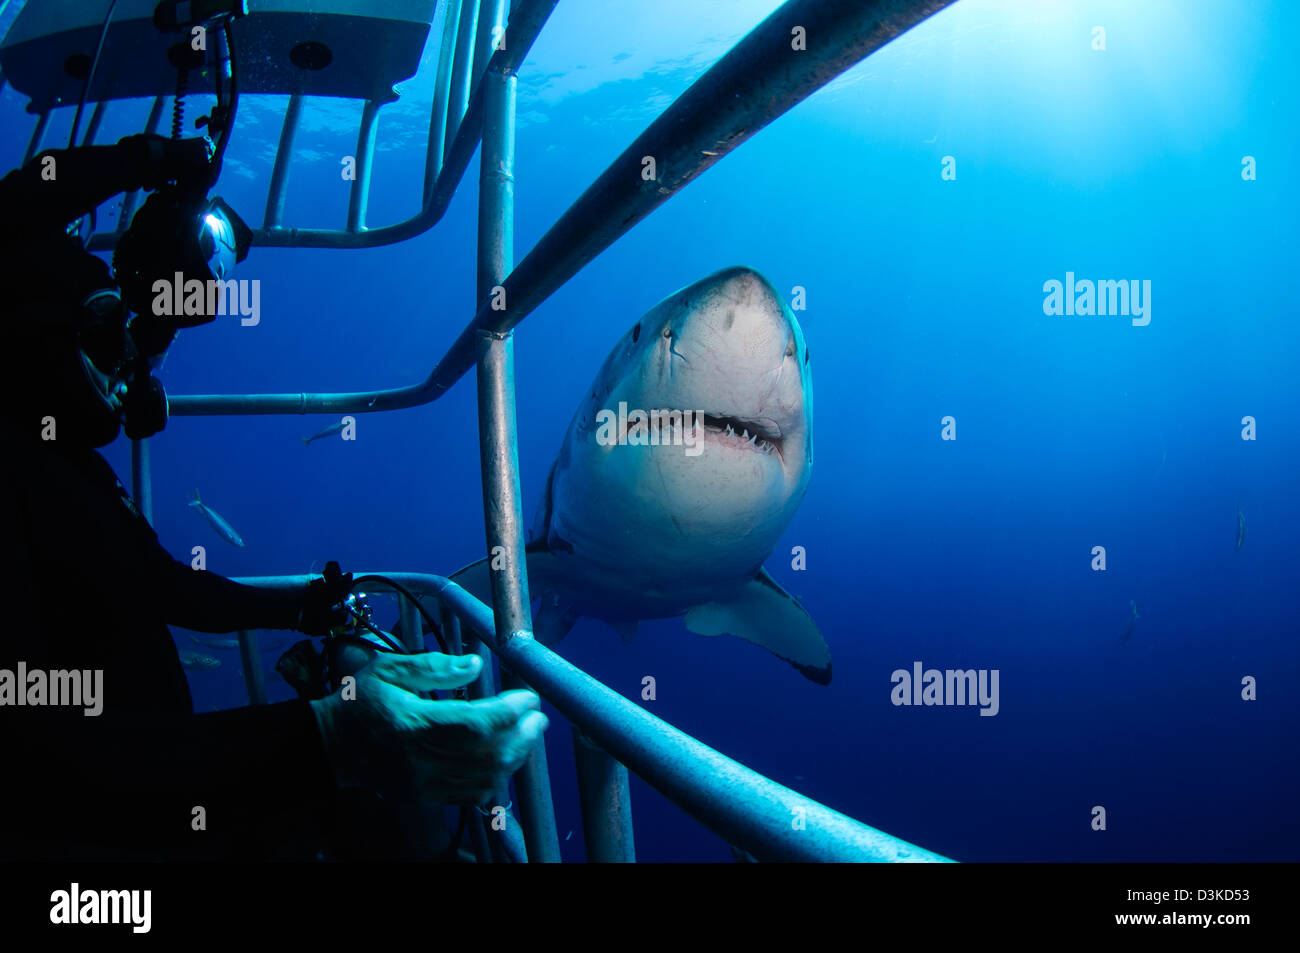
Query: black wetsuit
(85,585)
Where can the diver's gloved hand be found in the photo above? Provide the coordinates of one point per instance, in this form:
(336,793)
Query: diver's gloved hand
(320,610)
(160,160)
(388,739)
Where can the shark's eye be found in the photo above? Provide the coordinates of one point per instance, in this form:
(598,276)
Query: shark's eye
(636,332)
(668,331)
(789,349)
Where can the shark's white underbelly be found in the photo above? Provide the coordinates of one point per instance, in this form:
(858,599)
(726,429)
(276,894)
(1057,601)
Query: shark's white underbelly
(645,532)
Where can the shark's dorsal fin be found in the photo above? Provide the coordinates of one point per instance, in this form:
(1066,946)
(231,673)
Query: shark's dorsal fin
(765,614)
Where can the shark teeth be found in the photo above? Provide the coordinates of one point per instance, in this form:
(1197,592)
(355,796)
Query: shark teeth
(738,429)
(754,440)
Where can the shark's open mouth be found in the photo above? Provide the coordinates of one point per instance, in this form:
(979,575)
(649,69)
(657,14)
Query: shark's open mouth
(763,434)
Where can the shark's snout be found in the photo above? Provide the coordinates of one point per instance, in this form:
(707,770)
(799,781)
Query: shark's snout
(733,349)
(739,314)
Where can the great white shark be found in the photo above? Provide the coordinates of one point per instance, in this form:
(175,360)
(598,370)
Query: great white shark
(676,519)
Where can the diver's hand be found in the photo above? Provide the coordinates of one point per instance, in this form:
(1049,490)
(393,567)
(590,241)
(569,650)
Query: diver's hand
(320,611)
(387,738)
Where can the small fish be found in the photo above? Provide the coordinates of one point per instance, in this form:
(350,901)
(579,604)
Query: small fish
(330,431)
(227,644)
(568,835)
(1241,528)
(224,529)
(1128,629)
(197,660)
(1164,455)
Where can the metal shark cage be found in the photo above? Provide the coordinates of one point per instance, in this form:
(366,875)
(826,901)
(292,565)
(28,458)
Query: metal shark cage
(483,44)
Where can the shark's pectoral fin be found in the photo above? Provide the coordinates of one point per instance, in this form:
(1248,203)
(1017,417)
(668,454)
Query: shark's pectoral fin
(765,614)
(554,619)
(476,579)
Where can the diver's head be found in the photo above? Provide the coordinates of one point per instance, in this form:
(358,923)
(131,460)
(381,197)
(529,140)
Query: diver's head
(179,235)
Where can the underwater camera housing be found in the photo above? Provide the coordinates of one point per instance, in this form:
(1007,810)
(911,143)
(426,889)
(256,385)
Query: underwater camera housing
(177,236)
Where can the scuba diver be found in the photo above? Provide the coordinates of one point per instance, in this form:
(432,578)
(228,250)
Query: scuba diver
(91,590)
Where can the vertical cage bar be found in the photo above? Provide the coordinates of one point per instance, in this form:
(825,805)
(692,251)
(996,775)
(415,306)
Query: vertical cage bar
(498,440)
(249,658)
(458,95)
(92,127)
(605,802)
(441,91)
(142,479)
(485,685)
(34,144)
(496,392)
(365,159)
(536,807)
(482,687)
(412,625)
(450,628)
(283,156)
(491,14)
(507,843)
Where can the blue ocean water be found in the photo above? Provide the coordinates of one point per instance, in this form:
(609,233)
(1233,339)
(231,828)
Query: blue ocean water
(924,300)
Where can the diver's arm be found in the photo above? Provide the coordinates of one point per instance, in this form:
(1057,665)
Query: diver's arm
(125,779)
(206,602)
(60,185)
(191,598)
